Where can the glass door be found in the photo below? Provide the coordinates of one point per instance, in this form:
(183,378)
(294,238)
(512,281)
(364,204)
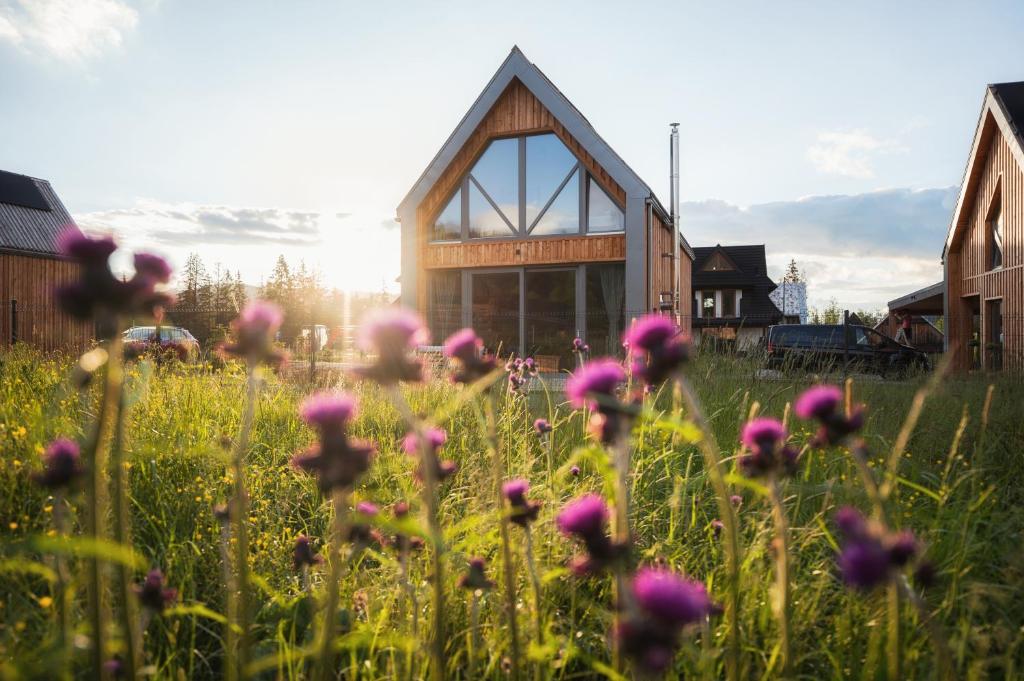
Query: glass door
(549,317)
(495,309)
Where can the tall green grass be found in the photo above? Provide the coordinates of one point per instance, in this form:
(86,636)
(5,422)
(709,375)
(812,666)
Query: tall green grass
(958,486)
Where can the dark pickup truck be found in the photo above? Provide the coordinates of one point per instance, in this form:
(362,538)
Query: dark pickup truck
(822,347)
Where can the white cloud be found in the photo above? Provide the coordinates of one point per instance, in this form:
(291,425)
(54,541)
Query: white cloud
(849,153)
(862,249)
(67,30)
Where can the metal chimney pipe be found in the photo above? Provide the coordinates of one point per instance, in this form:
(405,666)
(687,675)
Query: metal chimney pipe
(674,182)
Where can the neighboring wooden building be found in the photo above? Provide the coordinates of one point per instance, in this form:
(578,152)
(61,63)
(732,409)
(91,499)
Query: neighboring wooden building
(530,228)
(984,253)
(924,306)
(31,217)
(731,294)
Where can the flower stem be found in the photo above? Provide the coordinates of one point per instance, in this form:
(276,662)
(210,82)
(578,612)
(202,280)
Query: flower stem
(538,612)
(431,501)
(943,655)
(96,514)
(620,460)
(498,467)
(782,609)
(325,666)
(122,522)
(894,654)
(709,448)
(239,511)
(64,599)
(474,632)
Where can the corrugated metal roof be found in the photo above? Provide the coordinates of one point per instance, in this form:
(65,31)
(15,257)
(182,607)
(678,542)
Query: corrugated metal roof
(30,230)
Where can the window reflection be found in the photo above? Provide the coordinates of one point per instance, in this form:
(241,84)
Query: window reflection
(602,213)
(563,215)
(449,223)
(484,220)
(497,173)
(548,162)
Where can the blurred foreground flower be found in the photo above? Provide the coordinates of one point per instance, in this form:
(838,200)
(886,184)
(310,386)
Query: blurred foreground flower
(524,511)
(336,460)
(765,450)
(663,604)
(153,593)
(303,554)
(586,519)
(823,403)
(391,333)
(870,554)
(62,465)
(435,439)
(657,348)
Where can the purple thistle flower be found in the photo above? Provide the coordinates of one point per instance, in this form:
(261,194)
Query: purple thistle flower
(71,242)
(524,511)
(392,333)
(574,471)
(303,554)
(657,347)
(367,509)
(671,599)
(254,332)
(153,594)
(114,668)
(62,465)
(435,439)
(870,555)
(541,426)
(736,500)
(475,576)
(818,402)
(764,440)
(595,384)
(463,345)
(586,518)
(360,532)
(328,412)
(665,604)
(822,403)
(336,460)
(579,346)
(716,527)
(152,266)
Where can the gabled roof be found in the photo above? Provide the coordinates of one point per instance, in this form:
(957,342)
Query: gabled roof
(751,268)
(1002,111)
(517,66)
(31,215)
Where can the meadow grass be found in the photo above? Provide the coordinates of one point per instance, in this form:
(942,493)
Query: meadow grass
(958,487)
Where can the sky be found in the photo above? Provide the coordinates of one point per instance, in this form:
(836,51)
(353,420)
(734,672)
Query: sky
(835,133)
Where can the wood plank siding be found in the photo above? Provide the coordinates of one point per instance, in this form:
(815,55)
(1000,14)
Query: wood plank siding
(537,251)
(29,282)
(659,264)
(995,176)
(516,112)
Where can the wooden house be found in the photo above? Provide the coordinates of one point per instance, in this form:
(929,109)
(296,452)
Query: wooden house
(925,308)
(528,227)
(31,217)
(983,258)
(731,294)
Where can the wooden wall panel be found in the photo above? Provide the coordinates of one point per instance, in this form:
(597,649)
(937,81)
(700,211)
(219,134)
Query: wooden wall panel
(660,276)
(30,281)
(996,171)
(517,252)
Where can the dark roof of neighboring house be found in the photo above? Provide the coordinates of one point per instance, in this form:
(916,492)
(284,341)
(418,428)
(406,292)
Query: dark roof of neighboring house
(1011,96)
(31,215)
(750,276)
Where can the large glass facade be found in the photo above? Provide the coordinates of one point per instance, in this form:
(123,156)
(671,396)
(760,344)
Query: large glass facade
(531,185)
(444,307)
(605,308)
(495,310)
(549,317)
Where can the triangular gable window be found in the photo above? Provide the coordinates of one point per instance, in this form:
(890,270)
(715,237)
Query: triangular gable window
(718,262)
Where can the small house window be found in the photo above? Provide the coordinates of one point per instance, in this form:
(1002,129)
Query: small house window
(448,225)
(729,303)
(995,238)
(708,304)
